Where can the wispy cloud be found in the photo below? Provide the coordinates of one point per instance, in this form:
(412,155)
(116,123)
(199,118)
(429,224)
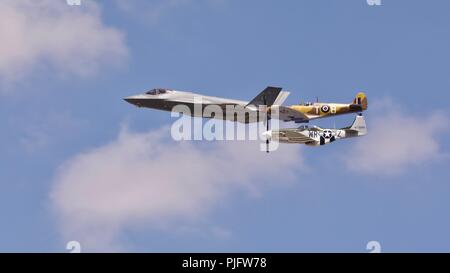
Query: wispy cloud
(141,179)
(50,33)
(398,140)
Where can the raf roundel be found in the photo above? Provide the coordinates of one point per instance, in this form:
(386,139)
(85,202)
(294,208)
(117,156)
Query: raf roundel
(325,108)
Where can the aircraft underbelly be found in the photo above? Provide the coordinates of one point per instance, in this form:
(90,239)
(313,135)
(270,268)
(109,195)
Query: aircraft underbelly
(238,113)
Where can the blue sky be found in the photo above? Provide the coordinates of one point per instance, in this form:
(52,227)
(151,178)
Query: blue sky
(62,112)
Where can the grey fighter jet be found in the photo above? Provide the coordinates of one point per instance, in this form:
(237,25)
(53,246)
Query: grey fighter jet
(197,104)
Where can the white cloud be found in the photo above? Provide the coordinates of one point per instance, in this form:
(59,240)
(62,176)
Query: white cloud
(397,140)
(70,39)
(141,179)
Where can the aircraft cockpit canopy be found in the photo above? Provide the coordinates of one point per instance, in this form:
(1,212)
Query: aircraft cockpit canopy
(156,91)
(303,127)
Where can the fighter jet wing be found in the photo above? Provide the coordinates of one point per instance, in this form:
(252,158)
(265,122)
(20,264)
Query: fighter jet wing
(207,100)
(289,114)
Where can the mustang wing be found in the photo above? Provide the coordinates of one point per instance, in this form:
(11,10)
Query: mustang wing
(294,136)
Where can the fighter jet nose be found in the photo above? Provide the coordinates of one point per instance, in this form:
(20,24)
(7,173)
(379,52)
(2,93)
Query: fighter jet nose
(132,100)
(268,135)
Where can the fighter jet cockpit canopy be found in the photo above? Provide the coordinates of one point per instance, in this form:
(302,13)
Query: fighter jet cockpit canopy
(303,127)
(156,91)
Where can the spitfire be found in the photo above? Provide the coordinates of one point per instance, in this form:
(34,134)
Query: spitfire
(308,111)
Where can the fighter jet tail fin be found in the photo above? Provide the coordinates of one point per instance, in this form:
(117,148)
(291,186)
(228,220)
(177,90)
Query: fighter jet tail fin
(281,98)
(361,100)
(267,97)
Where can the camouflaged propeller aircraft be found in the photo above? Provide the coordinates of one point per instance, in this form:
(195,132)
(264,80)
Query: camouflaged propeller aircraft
(316,136)
(305,112)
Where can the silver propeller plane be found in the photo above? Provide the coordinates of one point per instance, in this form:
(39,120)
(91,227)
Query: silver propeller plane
(316,136)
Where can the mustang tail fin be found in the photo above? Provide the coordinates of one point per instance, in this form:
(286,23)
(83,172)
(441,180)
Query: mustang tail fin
(359,125)
(267,97)
(361,100)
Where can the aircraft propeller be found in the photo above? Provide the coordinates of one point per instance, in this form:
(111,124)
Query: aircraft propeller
(267,123)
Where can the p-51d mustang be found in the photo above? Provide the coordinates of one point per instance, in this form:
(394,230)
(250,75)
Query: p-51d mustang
(243,111)
(316,136)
